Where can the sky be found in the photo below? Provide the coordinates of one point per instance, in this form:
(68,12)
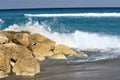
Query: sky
(16,4)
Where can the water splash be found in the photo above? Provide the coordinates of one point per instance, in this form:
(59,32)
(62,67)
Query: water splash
(78,39)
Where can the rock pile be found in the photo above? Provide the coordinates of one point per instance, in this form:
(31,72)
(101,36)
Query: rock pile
(21,52)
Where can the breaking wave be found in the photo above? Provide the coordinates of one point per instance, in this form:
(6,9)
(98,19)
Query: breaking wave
(109,45)
(75,15)
(78,39)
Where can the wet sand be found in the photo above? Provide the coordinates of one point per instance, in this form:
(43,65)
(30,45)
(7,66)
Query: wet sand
(102,70)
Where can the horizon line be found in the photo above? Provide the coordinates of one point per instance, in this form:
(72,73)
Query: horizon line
(60,8)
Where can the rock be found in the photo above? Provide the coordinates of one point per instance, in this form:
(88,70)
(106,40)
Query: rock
(14,51)
(41,46)
(4,63)
(22,38)
(43,49)
(45,42)
(3,74)
(58,56)
(40,57)
(26,67)
(8,34)
(81,55)
(12,63)
(37,38)
(60,48)
(3,39)
(40,51)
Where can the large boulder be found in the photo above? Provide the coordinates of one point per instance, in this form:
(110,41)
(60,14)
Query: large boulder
(44,49)
(41,46)
(60,48)
(22,38)
(41,50)
(26,67)
(59,56)
(37,38)
(3,74)
(4,64)
(14,51)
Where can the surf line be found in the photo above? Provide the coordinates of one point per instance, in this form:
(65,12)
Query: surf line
(75,15)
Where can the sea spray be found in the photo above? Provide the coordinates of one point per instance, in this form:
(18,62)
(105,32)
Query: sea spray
(78,39)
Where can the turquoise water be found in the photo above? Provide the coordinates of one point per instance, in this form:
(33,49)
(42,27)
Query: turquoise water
(85,29)
(108,25)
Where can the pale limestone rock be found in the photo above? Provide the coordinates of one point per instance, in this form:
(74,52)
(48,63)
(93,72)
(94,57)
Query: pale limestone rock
(26,67)
(3,39)
(14,51)
(40,57)
(58,56)
(60,48)
(12,63)
(42,49)
(22,38)
(3,74)
(41,46)
(81,55)
(4,63)
(8,34)
(37,38)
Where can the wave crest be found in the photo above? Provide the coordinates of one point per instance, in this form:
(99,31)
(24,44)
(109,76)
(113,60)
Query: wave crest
(75,15)
(79,40)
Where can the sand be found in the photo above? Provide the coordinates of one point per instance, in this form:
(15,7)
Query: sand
(102,70)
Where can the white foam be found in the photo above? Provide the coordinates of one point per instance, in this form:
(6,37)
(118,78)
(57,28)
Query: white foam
(78,39)
(75,15)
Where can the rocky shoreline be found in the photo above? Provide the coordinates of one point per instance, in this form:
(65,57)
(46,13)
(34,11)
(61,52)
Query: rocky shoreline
(21,52)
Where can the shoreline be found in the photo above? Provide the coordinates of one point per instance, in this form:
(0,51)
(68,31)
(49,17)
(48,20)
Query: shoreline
(100,70)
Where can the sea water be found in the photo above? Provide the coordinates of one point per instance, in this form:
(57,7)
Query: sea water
(83,29)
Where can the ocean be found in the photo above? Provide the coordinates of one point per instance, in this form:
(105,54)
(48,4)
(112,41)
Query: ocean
(95,31)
